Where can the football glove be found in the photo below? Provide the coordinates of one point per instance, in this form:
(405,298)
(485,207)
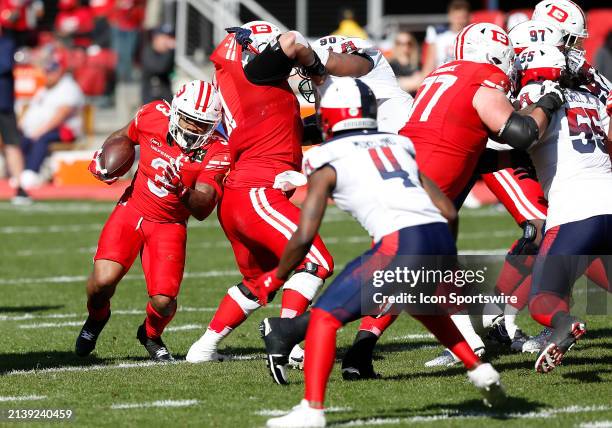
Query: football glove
(242,35)
(171,179)
(97,171)
(265,285)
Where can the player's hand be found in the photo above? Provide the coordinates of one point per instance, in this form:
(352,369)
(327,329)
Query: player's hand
(171,179)
(575,60)
(552,98)
(242,35)
(266,284)
(97,171)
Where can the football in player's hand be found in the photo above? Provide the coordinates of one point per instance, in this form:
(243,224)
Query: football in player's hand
(117,156)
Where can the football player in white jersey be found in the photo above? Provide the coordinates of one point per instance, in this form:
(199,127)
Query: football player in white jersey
(393,102)
(374,177)
(570,157)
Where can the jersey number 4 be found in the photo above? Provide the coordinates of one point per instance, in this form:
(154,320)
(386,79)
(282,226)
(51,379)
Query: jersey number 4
(387,165)
(430,92)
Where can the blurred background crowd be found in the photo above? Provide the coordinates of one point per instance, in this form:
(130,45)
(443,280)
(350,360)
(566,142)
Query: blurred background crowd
(72,71)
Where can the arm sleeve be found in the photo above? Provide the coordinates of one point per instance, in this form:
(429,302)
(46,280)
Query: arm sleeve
(271,66)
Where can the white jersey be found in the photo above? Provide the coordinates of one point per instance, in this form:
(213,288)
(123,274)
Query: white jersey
(443,39)
(377,181)
(393,102)
(571,158)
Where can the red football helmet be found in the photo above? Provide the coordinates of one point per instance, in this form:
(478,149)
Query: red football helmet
(346,104)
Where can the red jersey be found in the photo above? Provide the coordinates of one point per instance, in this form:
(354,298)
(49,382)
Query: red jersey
(263,122)
(444,125)
(150,129)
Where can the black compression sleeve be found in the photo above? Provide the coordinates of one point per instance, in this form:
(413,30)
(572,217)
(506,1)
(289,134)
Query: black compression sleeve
(519,131)
(272,65)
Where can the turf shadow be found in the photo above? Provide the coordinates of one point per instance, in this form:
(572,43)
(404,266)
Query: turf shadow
(40,308)
(589,376)
(45,360)
(472,407)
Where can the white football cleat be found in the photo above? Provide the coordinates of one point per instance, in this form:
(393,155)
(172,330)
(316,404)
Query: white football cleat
(301,416)
(296,358)
(487,380)
(448,359)
(200,354)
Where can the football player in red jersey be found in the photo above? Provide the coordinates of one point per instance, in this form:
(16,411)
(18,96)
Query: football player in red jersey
(183,161)
(262,117)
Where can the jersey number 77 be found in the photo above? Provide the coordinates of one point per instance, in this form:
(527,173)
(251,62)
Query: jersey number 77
(430,92)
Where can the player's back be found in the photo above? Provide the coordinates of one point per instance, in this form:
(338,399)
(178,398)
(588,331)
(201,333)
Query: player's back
(444,121)
(262,121)
(571,158)
(377,181)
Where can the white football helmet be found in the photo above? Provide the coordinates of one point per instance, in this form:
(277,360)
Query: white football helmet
(263,33)
(535,32)
(346,104)
(195,112)
(567,15)
(539,63)
(485,43)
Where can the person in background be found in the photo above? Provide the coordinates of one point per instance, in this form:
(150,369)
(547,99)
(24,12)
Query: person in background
(53,114)
(101,10)
(74,23)
(349,27)
(405,62)
(603,59)
(19,18)
(126,21)
(441,38)
(9,135)
(157,65)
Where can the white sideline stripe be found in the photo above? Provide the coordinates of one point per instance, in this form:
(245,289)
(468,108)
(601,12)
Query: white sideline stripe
(160,403)
(30,316)
(474,415)
(80,278)
(23,398)
(94,367)
(279,412)
(596,424)
(80,323)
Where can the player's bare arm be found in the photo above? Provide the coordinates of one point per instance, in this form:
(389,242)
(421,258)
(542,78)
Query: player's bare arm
(202,200)
(518,131)
(320,185)
(442,202)
(351,65)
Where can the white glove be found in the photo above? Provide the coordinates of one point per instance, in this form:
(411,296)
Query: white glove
(575,60)
(550,87)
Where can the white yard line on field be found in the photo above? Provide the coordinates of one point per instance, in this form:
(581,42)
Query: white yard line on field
(596,424)
(184,327)
(546,413)
(52,324)
(159,403)
(279,412)
(23,398)
(93,367)
(414,336)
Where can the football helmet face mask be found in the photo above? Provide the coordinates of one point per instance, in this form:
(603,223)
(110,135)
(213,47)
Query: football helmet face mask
(485,43)
(539,63)
(567,15)
(346,104)
(195,112)
(535,32)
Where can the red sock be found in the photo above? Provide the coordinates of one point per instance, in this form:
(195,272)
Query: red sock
(98,314)
(448,335)
(377,326)
(596,272)
(319,354)
(509,277)
(544,306)
(293,304)
(522,293)
(156,323)
(229,315)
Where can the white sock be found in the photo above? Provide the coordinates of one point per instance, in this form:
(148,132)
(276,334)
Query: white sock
(491,313)
(510,320)
(210,339)
(463,323)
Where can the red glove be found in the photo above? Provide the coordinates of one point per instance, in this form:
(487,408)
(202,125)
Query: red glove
(266,284)
(97,171)
(609,104)
(171,179)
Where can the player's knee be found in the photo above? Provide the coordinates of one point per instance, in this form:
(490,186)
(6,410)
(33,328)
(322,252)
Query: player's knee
(104,279)
(163,305)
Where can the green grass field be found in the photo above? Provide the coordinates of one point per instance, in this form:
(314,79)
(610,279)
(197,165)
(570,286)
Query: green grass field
(45,257)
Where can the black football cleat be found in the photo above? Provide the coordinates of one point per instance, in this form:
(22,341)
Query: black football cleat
(86,340)
(155,347)
(278,349)
(499,334)
(357,362)
(560,342)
